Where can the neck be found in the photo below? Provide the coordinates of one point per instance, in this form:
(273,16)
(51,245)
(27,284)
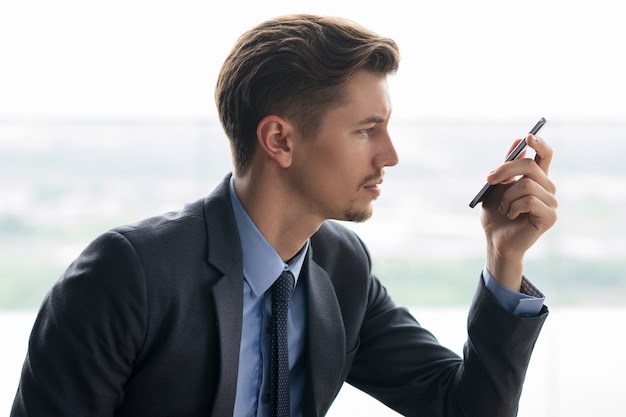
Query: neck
(285,226)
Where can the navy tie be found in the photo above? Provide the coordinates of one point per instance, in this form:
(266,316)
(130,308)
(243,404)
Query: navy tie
(281,291)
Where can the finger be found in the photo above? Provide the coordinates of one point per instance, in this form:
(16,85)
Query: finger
(541,215)
(494,178)
(520,168)
(513,145)
(543,152)
(508,172)
(524,195)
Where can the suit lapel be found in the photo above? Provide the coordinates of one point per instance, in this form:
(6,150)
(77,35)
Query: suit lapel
(228,299)
(325,328)
(326,339)
(224,254)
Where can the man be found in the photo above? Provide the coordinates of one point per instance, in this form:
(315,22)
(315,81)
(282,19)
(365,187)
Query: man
(172,316)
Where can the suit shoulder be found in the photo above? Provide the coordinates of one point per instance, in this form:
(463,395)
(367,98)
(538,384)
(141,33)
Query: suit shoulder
(190,217)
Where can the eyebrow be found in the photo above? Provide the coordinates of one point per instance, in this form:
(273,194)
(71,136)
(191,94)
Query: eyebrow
(371,119)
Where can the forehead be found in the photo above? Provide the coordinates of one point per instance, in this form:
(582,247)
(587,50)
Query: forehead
(368,93)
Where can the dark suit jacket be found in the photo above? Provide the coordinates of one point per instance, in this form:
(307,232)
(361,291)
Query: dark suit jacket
(147,322)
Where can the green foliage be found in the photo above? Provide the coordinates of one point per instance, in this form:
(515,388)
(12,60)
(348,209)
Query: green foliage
(24,284)
(564,281)
(429,282)
(64,183)
(424,283)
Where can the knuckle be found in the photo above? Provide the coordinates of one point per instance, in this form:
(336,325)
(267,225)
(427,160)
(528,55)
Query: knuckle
(526,185)
(552,188)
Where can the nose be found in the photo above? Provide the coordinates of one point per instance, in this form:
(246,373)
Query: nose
(387,155)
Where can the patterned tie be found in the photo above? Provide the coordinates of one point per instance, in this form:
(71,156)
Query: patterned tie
(281,291)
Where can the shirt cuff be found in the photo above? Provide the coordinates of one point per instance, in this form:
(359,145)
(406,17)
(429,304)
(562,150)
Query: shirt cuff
(528,302)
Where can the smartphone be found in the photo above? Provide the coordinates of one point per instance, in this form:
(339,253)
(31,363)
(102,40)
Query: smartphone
(513,155)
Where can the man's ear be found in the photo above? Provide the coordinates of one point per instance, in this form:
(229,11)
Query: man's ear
(274,136)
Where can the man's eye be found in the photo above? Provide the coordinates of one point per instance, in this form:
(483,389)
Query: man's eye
(366,132)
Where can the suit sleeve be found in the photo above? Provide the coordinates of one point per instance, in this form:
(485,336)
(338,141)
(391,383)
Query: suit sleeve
(87,333)
(404,366)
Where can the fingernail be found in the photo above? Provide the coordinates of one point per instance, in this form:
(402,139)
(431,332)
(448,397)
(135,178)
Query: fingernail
(501,208)
(491,175)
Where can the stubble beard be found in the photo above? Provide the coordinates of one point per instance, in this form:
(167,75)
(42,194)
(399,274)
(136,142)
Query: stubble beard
(357,216)
(353,214)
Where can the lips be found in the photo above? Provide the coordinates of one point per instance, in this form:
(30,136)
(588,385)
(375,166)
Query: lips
(373,184)
(372,187)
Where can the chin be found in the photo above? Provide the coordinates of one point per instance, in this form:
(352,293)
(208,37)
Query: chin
(358,216)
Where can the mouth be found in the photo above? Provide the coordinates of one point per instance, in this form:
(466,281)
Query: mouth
(372,186)
(373,181)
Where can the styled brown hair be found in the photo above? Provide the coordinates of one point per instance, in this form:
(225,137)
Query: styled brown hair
(293,66)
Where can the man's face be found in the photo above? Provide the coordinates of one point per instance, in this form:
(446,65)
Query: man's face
(336,174)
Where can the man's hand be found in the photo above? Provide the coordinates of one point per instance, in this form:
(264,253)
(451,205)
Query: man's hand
(518,211)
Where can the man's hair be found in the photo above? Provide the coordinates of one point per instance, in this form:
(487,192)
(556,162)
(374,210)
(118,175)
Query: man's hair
(293,67)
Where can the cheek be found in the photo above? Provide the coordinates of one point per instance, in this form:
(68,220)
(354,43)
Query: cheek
(339,169)
(334,166)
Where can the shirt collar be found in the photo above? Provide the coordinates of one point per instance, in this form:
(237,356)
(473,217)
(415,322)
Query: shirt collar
(261,263)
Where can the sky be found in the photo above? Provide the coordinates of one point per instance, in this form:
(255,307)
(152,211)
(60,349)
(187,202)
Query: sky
(461,60)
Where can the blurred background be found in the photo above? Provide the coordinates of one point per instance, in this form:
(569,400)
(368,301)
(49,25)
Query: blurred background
(107,116)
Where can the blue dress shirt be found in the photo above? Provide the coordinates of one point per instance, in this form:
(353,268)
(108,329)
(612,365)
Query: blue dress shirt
(261,267)
(525,303)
